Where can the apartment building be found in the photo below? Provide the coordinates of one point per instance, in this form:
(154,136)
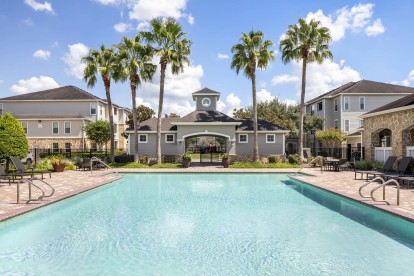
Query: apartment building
(54,118)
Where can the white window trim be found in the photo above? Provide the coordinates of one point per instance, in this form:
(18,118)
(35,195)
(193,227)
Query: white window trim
(359,102)
(274,139)
(346,100)
(70,127)
(96,108)
(170,142)
(53,148)
(317,106)
(146,138)
(336,104)
(27,127)
(57,127)
(361,122)
(349,125)
(247,138)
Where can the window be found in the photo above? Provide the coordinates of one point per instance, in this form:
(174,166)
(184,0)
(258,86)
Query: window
(94,147)
(1,109)
(68,147)
(116,144)
(336,124)
(361,123)
(143,138)
(312,109)
(270,138)
(25,126)
(346,125)
(100,110)
(243,138)
(115,128)
(115,111)
(55,126)
(93,108)
(55,147)
(362,103)
(67,127)
(336,103)
(346,103)
(169,138)
(320,106)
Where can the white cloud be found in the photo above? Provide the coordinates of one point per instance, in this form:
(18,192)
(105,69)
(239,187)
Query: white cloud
(34,84)
(55,44)
(122,27)
(28,22)
(42,54)
(143,10)
(232,102)
(108,2)
(140,101)
(280,79)
(222,56)
(178,90)
(46,6)
(143,26)
(289,102)
(322,78)
(190,19)
(406,81)
(264,96)
(375,29)
(411,75)
(355,19)
(73,58)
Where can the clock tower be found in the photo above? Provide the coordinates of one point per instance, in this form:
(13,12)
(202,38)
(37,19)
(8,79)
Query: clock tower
(206,99)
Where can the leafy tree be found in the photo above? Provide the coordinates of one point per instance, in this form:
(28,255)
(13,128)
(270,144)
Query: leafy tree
(332,137)
(309,43)
(143,113)
(312,123)
(252,53)
(104,62)
(135,60)
(172,115)
(98,132)
(13,141)
(171,47)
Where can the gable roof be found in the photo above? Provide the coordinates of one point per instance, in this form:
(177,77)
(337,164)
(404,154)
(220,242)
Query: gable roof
(205,91)
(69,92)
(151,125)
(365,87)
(262,125)
(204,116)
(400,103)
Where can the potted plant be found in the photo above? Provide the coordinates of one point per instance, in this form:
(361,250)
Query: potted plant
(186,159)
(59,163)
(225,160)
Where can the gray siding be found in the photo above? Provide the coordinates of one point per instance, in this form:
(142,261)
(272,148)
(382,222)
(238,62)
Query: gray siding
(44,129)
(264,148)
(213,105)
(206,130)
(150,148)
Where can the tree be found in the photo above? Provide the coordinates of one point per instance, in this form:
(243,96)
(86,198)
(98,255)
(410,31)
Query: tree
(98,132)
(171,47)
(309,43)
(332,137)
(172,115)
(105,63)
(143,113)
(252,53)
(135,60)
(13,141)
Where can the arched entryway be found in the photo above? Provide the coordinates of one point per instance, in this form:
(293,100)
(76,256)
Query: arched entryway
(381,144)
(408,141)
(206,147)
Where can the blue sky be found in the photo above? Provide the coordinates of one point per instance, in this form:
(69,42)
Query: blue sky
(43,42)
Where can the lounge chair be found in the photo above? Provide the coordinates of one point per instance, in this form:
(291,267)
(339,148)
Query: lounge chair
(343,164)
(21,169)
(11,176)
(385,169)
(401,171)
(86,164)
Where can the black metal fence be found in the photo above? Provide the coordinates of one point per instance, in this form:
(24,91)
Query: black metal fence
(356,153)
(68,153)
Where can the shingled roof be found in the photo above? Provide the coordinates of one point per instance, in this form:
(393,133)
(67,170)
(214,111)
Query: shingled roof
(151,125)
(406,101)
(365,87)
(211,116)
(205,91)
(262,125)
(61,93)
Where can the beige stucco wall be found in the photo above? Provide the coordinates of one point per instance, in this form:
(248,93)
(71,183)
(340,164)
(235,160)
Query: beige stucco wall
(397,122)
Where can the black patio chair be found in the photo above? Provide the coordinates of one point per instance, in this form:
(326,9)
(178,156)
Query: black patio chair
(385,169)
(20,168)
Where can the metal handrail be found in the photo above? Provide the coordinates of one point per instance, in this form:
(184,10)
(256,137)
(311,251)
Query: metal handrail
(44,182)
(367,183)
(96,159)
(313,160)
(30,182)
(383,195)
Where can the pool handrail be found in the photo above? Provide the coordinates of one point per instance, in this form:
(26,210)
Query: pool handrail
(96,159)
(383,193)
(369,182)
(313,160)
(30,182)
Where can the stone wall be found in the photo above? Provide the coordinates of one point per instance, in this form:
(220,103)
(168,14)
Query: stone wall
(400,123)
(45,143)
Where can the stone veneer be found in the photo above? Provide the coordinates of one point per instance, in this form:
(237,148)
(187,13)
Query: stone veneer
(44,143)
(401,124)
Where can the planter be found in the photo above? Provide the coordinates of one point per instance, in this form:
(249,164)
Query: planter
(186,163)
(58,167)
(225,162)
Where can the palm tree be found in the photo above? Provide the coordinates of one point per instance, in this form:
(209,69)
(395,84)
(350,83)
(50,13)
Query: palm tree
(171,47)
(135,62)
(252,53)
(104,62)
(309,43)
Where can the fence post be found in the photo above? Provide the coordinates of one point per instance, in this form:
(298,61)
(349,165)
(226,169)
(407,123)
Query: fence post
(35,155)
(90,153)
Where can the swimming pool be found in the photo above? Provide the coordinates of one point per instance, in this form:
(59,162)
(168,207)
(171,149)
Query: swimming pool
(203,224)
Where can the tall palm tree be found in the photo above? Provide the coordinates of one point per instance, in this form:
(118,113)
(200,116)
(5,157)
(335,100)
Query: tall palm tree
(307,42)
(167,38)
(104,62)
(135,61)
(252,53)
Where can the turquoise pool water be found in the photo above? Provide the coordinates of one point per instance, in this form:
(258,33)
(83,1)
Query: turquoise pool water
(206,224)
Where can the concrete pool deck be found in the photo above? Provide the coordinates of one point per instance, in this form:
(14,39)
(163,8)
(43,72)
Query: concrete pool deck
(70,183)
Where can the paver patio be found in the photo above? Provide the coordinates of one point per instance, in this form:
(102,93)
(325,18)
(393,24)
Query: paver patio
(70,183)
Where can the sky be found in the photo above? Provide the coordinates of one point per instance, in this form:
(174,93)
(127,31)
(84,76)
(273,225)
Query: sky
(43,42)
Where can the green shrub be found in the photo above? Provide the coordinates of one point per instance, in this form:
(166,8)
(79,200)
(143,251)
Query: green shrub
(70,167)
(274,159)
(169,158)
(44,164)
(253,165)
(124,158)
(294,159)
(130,165)
(368,165)
(143,159)
(168,166)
